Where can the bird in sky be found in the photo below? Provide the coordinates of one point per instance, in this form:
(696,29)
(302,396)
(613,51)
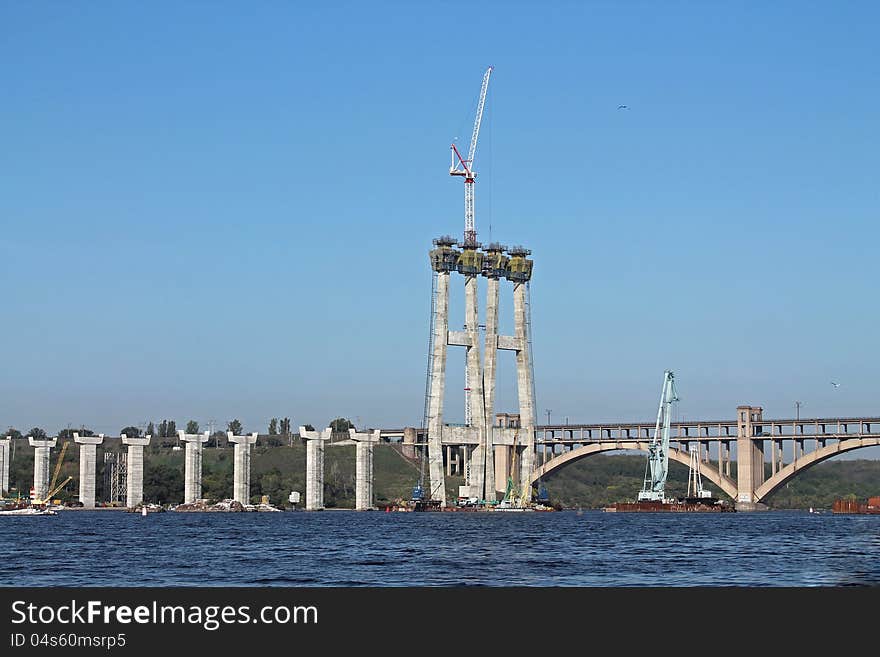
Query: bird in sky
(622,107)
(836,385)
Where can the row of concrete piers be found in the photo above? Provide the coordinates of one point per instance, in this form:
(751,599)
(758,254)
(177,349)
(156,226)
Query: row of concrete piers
(194,443)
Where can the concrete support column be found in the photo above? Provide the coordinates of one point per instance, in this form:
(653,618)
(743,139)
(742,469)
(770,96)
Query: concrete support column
(525,386)
(315,466)
(449,460)
(502,467)
(490,376)
(437,389)
(134,485)
(41,465)
(475,459)
(88,446)
(363,490)
(241,472)
(4,465)
(749,457)
(409,441)
(192,477)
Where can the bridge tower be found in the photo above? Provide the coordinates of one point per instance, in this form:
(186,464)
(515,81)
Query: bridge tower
(477,439)
(749,456)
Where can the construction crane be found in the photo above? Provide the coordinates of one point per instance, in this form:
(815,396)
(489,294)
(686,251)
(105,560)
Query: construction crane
(464,167)
(653,489)
(52,487)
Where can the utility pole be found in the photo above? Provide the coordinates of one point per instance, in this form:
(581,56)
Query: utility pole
(797,406)
(548,416)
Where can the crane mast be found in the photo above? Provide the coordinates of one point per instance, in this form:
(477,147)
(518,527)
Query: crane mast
(657,468)
(464,167)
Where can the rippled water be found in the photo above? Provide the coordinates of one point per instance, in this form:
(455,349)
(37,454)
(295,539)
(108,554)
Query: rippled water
(345,548)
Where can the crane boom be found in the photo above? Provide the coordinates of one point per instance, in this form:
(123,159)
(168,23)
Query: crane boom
(465,166)
(657,467)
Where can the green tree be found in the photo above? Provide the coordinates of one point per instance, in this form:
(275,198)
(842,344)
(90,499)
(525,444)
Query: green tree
(67,434)
(13,433)
(235,427)
(309,427)
(37,433)
(163,429)
(131,432)
(217,439)
(151,430)
(341,425)
(285,427)
(192,426)
(172,429)
(273,426)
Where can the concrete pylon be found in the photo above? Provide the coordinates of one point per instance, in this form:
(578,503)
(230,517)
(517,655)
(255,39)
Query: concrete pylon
(88,446)
(192,478)
(525,387)
(440,320)
(4,465)
(315,466)
(490,359)
(476,472)
(241,477)
(134,485)
(363,490)
(42,449)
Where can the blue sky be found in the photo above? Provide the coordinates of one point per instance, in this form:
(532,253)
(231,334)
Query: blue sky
(223,209)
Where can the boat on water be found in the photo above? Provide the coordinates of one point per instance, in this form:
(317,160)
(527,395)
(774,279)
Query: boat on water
(683,505)
(23,508)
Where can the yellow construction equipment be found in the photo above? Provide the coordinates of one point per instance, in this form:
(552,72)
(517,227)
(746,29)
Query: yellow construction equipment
(58,468)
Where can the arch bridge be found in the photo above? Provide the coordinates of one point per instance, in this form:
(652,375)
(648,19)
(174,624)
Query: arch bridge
(768,452)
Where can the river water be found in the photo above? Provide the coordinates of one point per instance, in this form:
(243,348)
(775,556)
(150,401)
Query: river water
(346,548)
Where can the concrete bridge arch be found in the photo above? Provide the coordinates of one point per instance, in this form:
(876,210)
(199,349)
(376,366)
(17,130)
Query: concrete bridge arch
(710,472)
(807,461)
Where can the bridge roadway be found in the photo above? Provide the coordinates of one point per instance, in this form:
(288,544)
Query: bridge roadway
(768,452)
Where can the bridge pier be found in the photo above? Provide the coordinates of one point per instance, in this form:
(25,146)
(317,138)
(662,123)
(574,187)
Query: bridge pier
(4,465)
(41,465)
(315,466)
(88,446)
(749,458)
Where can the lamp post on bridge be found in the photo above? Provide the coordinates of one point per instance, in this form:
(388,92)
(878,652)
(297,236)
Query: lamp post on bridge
(797,406)
(548,416)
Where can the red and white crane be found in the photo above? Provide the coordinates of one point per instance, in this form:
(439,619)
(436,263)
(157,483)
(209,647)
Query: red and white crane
(465,166)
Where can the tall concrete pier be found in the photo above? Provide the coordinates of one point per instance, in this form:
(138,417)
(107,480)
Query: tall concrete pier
(5,463)
(42,450)
(315,466)
(363,490)
(478,439)
(134,485)
(444,259)
(241,474)
(520,274)
(192,478)
(88,446)
(749,458)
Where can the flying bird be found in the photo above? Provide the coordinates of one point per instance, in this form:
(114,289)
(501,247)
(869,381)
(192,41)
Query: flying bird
(622,107)
(836,385)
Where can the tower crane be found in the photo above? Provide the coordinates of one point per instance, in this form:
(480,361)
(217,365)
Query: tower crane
(657,468)
(464,167)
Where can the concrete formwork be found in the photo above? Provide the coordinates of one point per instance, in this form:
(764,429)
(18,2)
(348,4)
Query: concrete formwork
(364,468)
(88,446)
(134,484)
(192,477)
(241,477)
(5,463)
(42,450)
(315,441)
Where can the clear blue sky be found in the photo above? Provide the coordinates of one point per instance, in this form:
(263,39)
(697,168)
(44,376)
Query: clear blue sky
(223,209)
